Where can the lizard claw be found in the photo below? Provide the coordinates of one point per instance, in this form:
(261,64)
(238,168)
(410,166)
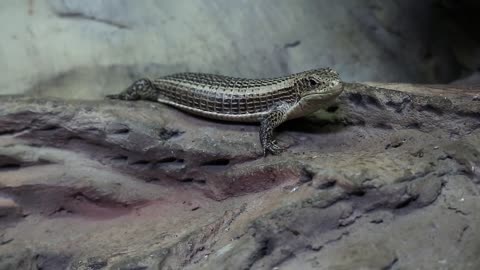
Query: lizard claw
(273,148)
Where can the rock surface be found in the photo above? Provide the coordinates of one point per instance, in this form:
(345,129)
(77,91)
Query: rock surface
(84,49)
(387,178)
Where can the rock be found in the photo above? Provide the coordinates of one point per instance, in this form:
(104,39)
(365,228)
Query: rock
(89,49)
(373,182)
(9,209)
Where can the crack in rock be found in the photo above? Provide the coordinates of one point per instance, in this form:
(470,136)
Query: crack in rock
(391,264)
(75,15)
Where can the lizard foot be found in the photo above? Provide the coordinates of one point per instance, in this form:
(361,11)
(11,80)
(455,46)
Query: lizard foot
(273,148)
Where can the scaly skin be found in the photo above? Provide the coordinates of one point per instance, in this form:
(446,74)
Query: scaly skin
(268,101)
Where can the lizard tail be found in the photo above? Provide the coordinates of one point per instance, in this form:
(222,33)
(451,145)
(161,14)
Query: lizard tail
(140,89)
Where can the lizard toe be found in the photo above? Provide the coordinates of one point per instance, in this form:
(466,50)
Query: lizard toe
(274,148)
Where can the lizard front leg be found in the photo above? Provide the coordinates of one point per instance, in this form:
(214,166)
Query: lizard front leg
(140,89)
(276,116)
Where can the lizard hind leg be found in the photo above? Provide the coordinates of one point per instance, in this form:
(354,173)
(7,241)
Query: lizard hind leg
(140,89)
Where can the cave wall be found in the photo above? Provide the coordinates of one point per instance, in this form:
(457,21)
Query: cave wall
(85,49)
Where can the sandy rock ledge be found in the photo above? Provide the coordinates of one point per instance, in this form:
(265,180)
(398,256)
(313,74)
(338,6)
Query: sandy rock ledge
(387,178)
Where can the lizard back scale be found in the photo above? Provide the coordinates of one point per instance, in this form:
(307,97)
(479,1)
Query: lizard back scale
(269,101)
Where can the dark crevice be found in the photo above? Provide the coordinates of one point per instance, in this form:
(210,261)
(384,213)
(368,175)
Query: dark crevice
(419,154)
(8,163)
(314,248)
(394,201)
(9,166)
(286,255)
(462,233)
(398,106)
(474,115)
(193,180)
(358,192)
(394,144)
(124,130)
(445,157)
(167,134)
(394,105)
(292,44)
(457,211)
(406,202)
(414,125)
(103,202)
(382,125)
(364,100)
(217,162)
(7,132)
(431,108)
(138,268)
(391,264)
(48,261)
(49,128)
(345,222)
(120,158)
(61,211)
(72,137)
(140,163)
(4,242)
(356,99)
(266,248)
(306,175)
(332,108)
(12,131)
(293,231)
(334,240)
(169,160)
(409,178)
(92,129)
(152,179)
(376,221)
(373,101)
(97,264)
(329,183)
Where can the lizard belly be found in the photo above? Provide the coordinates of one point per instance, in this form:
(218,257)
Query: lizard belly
(246,117)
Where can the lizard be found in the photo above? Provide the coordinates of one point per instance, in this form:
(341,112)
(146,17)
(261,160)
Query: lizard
(269,102)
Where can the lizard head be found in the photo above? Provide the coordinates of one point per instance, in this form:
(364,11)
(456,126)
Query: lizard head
(320,84)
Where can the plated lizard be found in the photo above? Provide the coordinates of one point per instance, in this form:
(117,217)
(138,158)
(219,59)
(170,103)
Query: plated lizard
(268,101)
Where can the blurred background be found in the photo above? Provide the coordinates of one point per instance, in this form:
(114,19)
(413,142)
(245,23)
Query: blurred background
(86,49)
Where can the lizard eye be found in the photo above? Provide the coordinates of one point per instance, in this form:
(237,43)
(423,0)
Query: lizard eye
(312,82)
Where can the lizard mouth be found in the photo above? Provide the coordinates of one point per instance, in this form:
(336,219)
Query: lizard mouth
(331,93)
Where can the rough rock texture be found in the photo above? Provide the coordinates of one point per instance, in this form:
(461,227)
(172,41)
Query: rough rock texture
(387,178)
(84,49)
